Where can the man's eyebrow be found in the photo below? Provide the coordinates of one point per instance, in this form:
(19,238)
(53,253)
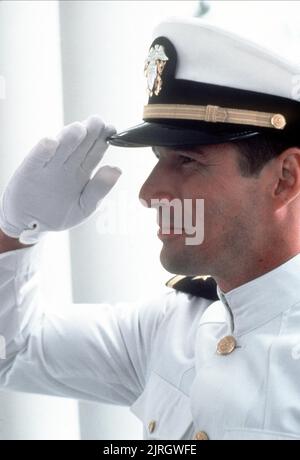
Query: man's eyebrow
(185,148)
(181,148)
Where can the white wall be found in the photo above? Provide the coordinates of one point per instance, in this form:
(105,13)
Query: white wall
(271,23)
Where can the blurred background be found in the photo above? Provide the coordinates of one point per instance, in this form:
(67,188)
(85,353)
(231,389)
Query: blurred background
(61,61)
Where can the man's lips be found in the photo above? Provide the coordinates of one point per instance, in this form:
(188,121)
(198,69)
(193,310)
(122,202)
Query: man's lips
(171,229)
(165,233)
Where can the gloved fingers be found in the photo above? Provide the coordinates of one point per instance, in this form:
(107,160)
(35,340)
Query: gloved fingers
(96,189)
(97,151)
(95,127)
(40,154)
(110,130)
(69,139)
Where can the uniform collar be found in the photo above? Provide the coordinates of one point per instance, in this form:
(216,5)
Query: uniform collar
(262,299)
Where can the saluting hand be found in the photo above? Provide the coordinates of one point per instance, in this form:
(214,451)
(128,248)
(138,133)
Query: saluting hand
(52,190)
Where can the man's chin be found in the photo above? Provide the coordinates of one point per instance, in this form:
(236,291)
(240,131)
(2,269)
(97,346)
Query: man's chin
(179,262)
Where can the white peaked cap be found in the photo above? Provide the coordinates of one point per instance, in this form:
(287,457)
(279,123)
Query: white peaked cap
(207,85)
(213,55)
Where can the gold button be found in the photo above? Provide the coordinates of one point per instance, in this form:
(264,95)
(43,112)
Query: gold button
(226,345)
(278,121)
(201,436)
(151,426)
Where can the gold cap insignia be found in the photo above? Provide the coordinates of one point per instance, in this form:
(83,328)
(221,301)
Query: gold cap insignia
(154,67)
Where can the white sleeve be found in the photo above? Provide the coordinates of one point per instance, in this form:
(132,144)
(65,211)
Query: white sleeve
(96,352)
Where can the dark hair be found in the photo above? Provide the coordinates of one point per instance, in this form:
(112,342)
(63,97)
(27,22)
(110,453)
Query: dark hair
(257,151)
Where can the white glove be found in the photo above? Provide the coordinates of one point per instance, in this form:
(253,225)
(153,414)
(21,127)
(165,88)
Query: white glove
(52,189)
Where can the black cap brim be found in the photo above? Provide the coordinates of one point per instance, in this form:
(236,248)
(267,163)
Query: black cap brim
(165,134)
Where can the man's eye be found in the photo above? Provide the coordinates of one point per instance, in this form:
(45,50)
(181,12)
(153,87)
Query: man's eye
(185,160)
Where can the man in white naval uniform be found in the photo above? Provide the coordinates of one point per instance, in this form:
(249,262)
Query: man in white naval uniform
(224,123)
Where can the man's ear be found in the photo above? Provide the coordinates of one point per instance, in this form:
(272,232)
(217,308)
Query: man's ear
(287,170)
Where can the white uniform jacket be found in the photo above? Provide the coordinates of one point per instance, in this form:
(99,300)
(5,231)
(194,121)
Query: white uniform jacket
(160,357)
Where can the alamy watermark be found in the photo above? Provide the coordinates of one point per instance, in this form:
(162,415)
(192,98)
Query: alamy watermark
(122,216)
(2,347)
(181,217)
(2,87)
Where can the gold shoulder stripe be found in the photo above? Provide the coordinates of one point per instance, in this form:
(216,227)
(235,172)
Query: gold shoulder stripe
(171,283)
(201,277)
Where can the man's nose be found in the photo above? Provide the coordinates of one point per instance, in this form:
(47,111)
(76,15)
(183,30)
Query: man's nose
(156,187)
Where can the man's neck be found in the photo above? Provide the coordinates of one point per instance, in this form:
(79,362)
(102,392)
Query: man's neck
(252,269)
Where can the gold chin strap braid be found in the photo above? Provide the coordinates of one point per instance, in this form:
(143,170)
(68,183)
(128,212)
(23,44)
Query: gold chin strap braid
(215,114)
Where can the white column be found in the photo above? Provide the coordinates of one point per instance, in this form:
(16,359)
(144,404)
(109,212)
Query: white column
(31,108)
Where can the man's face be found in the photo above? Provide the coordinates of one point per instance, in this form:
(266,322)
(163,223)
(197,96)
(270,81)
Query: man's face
(235,207)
